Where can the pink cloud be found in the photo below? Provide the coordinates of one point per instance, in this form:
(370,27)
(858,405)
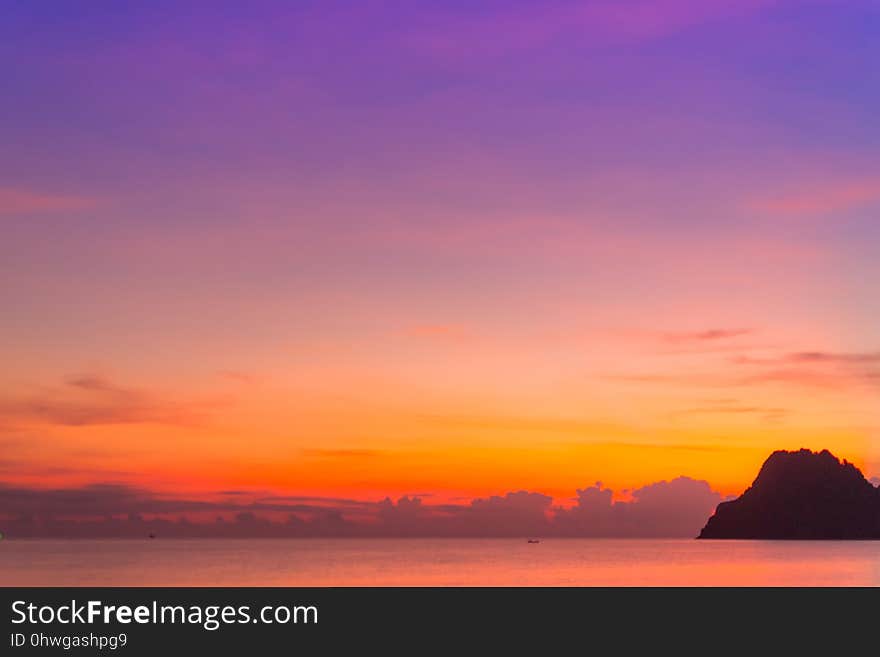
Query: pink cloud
(822,199)
(597,23)
(438,332)
(17,201)
(665,508)
(712,335)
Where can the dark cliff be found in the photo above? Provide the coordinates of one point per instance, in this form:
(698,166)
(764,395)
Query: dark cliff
(801,495)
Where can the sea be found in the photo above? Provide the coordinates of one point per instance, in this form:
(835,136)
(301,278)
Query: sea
(437,562)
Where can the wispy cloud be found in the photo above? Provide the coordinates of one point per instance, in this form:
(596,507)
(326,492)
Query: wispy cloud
(852,358)
(452,333)
(238,376)
(814,368)
(671,341)
(808,378)
(18,201)
(680,447)
(767,413)
(90,399)
(593,23)
(713,335)
(341,453)
(823,199)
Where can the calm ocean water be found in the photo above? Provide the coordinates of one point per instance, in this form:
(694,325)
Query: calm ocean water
(446,562)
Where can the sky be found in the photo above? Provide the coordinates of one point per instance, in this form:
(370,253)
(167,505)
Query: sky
(433,251)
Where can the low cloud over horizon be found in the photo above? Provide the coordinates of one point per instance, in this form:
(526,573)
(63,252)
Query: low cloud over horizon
(675,508)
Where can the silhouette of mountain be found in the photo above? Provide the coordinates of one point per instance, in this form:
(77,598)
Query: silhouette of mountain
(801,495)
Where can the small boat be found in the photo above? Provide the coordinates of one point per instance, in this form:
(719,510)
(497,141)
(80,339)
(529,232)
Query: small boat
(533,540)
(152,535)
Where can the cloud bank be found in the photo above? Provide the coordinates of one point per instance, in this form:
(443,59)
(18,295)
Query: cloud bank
(676,508)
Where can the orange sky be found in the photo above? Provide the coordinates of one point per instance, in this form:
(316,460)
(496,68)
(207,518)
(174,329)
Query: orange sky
(437,412)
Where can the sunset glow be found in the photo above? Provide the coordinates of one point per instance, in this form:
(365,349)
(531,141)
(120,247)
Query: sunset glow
(345,251)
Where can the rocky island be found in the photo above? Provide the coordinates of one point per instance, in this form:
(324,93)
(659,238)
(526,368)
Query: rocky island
(801,495)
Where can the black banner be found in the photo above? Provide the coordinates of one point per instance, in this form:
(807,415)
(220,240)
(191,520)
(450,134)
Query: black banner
(146,621)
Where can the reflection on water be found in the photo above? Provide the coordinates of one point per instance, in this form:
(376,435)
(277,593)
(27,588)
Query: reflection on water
(442,562)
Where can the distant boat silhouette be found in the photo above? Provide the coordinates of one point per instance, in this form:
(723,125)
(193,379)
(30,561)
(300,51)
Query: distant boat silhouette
(532,540)
(152,535)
